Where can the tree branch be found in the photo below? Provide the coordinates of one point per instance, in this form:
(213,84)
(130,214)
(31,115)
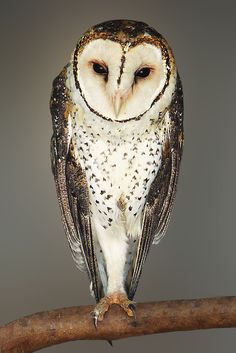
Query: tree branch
(45,329)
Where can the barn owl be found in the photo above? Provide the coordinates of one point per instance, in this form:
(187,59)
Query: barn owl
(117,113)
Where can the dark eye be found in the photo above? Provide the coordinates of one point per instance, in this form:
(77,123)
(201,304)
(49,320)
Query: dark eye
(143,72)
(100,69)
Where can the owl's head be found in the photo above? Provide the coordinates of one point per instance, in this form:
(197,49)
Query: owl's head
(122,69)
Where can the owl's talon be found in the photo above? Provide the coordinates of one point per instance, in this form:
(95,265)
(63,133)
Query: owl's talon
(95,319)
(132,307)
(95,322)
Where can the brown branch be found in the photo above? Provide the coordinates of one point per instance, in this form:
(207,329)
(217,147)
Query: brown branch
(45,329)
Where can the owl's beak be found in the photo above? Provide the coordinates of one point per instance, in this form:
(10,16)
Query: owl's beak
(117,103)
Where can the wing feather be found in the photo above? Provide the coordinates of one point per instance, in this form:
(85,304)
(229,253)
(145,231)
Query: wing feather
(162,192)
(71,186)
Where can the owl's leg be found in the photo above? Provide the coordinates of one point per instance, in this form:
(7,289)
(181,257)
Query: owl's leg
(114,247)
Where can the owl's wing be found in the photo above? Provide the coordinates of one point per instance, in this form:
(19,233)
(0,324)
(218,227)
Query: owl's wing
(71,186)
(161,195)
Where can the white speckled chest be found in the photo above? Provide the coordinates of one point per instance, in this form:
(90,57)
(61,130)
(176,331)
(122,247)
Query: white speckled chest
(119,168)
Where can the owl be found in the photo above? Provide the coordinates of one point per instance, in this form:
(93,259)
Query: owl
(117,113)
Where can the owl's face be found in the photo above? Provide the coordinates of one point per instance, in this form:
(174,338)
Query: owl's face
(121,82)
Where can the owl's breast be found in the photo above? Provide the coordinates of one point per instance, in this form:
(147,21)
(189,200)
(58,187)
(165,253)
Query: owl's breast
(119,174)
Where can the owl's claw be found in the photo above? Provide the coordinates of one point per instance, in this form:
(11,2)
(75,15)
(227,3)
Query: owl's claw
(133,309)
(115,298)
(132,306)
(95,319)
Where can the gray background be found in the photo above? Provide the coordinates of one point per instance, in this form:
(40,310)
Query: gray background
(197,257)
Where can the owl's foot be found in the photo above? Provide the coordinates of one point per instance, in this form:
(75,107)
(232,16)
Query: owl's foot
(118,298)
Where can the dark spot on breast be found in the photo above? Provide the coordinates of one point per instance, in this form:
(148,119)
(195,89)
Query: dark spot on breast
(102,192)
(108,197)
(130,208)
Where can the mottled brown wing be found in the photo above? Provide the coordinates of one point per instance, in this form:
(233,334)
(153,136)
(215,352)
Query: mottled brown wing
(161,195)
(71,186)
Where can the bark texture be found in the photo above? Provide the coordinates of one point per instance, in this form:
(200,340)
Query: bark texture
(44,329)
